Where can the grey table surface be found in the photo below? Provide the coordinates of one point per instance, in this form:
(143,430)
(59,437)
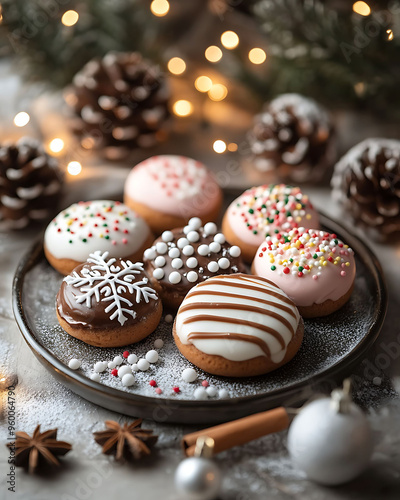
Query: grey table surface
(258,470)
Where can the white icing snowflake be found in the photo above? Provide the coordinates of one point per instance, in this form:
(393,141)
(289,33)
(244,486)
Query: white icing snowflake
(104,278)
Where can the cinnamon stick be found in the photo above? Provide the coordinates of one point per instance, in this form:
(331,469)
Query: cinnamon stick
(240,431)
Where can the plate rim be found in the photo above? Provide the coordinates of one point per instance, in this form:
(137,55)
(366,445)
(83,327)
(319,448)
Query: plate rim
(72,378)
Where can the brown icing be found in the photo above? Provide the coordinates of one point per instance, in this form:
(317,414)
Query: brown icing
(231,336)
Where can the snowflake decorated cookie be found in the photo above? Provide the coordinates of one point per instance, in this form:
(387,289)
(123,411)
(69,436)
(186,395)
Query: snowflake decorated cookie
(108,302)
(167,190)
(88,226)
(180,259)
(265,211)
(314,268)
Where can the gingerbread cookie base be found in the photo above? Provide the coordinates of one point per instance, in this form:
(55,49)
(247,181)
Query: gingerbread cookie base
(248,250)
(325,308)
(161,221)
(118,336)
(217,365)
(66,266)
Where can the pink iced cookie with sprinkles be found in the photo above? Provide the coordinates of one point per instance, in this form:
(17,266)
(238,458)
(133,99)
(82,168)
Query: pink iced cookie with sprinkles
(314,268)
(89,226)
(265,211)
(167,190)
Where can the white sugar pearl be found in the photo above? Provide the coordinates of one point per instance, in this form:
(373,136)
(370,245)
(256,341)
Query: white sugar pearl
(200,394)
(152,356)
(135,367)
(100,366)
(132,359)
(224,263)
(223,393)
(174,277)
(111,365)
(189,375)
(128,379)
(182,242)
(160,261)
(158,273)
(118,360)
(192,276)
(169,318)
(210,228)
(150,254)
(124,370)
(177,263)
(187,229)
(167,236)
(193,236)
(161,247)
(188,250)
(174,253)
(158,343)
(191,262)
(219,238)
(74,363)
(195,223)
(203,250)
(215,246)
(235,251)
(213,266)
(143,364)
(211,391)
(95,377)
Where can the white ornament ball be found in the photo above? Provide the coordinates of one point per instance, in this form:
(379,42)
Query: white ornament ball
(152,356)
(193,236)
(188,250)
(123,370)
(95,377)
(158,343)
(195,223)
(198,478)
(161,247)
(219,238)
(211,391)
(213,266)
(210,228)
(235,251)
(143,364)
(174,253)
(200,394)
(100,366)
(330,447)
(167,236)
(192,276)
(189,375)
(118,360)
(168,319)
(174,277)
(132,359)
(158,273)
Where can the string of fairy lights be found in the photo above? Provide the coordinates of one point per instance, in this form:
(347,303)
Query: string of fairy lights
(177,66)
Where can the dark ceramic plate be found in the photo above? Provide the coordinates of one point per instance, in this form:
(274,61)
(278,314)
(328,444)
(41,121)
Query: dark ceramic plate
(331,347)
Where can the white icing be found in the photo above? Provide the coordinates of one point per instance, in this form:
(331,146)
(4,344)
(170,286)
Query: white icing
(124,238)
(236,350)
(107,287)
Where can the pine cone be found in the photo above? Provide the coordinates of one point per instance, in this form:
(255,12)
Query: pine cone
(121,102)
(293,136)
(366,181)
(30,183)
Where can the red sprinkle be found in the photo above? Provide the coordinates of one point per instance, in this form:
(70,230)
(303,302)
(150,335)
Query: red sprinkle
(176,389)
(153,383)
(158,390)
(125,354)
(286,270)
(299,274)
(114,372)
(260,254)
(205,383)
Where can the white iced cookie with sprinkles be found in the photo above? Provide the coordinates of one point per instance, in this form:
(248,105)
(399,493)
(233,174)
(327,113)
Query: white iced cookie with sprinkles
(237,326)
(315,268)
(166,190)
(266,211)
(88,226)
(183,257)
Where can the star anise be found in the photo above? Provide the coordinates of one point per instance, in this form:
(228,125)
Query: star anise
(32,450)
(126,441)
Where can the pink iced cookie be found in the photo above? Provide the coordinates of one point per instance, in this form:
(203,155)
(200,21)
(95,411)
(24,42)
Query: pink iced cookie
(264,211)
(314,268)
(167,190)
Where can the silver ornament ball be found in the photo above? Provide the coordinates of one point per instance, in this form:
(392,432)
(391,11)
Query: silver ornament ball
(198,479)
(330,446)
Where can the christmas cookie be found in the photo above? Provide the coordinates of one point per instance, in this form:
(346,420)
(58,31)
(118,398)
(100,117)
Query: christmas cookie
(314,268)
(88,226)
(265,211)
(167,190)
(184,257)
(107,302)
(237,326)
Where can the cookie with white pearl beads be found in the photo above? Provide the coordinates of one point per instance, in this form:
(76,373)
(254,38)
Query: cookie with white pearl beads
(180,259)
